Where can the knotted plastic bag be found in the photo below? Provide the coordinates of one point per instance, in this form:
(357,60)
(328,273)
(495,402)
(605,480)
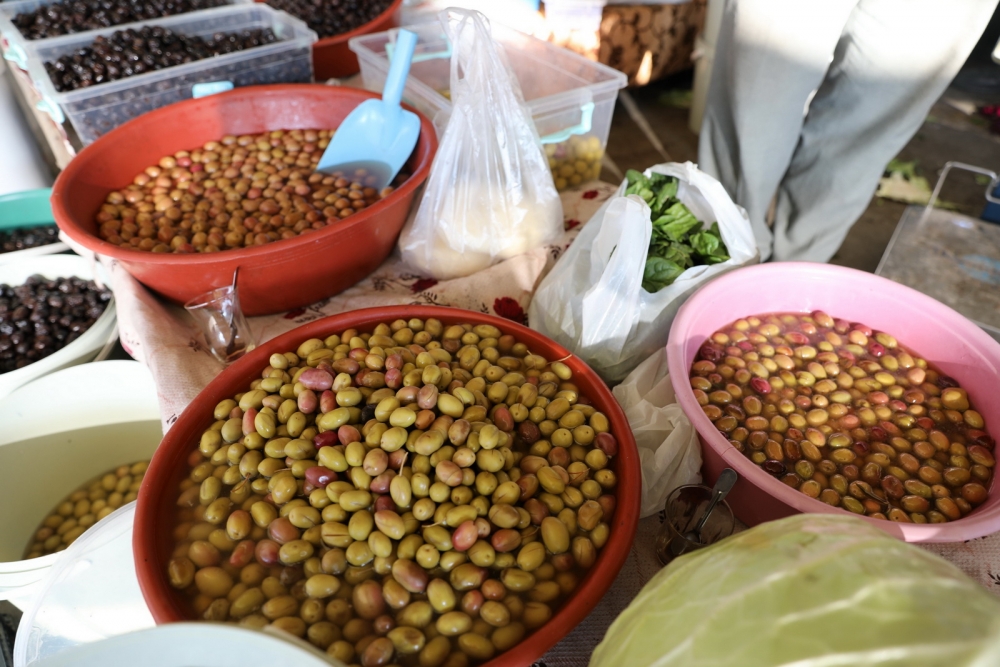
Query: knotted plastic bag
(593,302)
(490,195)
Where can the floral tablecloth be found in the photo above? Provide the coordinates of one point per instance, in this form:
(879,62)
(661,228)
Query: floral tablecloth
(163,338)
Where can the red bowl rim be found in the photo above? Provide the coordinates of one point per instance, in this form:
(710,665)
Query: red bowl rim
(360,30)
(424,155)
(976,524)
(148,563)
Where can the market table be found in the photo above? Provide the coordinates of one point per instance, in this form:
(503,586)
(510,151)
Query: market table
(162,337)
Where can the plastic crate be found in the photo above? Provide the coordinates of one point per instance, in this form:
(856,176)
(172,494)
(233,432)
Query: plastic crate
(951,257)
(13,43)
(571,99)
(95,110)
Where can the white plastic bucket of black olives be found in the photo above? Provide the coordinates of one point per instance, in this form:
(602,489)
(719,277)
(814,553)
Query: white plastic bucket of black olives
(52,315)
(831,390)
(106,427)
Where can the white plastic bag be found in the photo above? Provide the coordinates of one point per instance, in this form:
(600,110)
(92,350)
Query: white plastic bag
(593,303)
(490,195)
(669,453)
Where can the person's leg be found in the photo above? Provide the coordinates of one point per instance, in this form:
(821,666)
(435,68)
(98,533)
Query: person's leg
(771,55)
(894,61)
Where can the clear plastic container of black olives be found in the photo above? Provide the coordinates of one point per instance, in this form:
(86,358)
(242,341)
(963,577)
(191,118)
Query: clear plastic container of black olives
(13,41)
(98,109)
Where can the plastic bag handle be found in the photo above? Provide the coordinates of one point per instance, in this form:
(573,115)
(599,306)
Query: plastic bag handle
(611,306)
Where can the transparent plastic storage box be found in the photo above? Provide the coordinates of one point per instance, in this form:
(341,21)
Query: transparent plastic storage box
(571,99)
(98,109)
(13,43)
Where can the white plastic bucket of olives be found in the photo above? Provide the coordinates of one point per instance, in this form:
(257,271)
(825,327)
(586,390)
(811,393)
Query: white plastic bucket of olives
(20,336)
(108,418)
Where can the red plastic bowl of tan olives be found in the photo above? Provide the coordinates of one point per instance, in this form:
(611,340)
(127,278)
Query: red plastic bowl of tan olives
(399,485)
(834,390)
(185,195)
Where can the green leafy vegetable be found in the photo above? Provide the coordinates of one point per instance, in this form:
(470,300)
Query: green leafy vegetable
(659,273)
(812,590)
(679,240)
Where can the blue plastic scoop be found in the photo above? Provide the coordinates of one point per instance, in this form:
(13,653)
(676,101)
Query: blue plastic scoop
(379,135)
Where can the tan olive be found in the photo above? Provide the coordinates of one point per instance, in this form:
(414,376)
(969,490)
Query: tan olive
(441,596)
(407,641)
(410,575)
(367,600)
(453,623)
(418,614)
(584,552)
(322,585)
(550,480)
(555,535)
(504,516)
(531,556)
(295,552)
(508,636)
(213,582)
(359,554)
(517,580)
(436,652)
(246,603)
(536,614)
(495,613)
(352,501)
(483,554)
(476,646)
(280,606)
(181,572)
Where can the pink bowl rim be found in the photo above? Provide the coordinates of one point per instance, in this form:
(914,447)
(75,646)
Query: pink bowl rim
(979,523)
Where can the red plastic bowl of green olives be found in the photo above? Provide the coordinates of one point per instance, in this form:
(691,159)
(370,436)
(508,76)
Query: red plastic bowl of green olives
(400,485)
(833,390)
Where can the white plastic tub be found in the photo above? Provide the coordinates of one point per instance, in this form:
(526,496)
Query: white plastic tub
(83,349)
(191,645)
(571,99)
(60,432)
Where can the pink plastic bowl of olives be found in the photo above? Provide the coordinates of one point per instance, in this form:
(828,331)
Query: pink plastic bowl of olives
(955,350)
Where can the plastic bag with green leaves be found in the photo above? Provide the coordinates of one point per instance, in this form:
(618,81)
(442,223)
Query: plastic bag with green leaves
(807,591)
(612,296)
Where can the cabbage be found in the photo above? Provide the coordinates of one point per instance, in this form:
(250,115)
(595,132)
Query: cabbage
(811,590)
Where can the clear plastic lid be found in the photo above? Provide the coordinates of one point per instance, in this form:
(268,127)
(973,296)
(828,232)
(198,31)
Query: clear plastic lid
(91,593)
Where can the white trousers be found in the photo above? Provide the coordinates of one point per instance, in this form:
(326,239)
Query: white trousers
(810,99)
